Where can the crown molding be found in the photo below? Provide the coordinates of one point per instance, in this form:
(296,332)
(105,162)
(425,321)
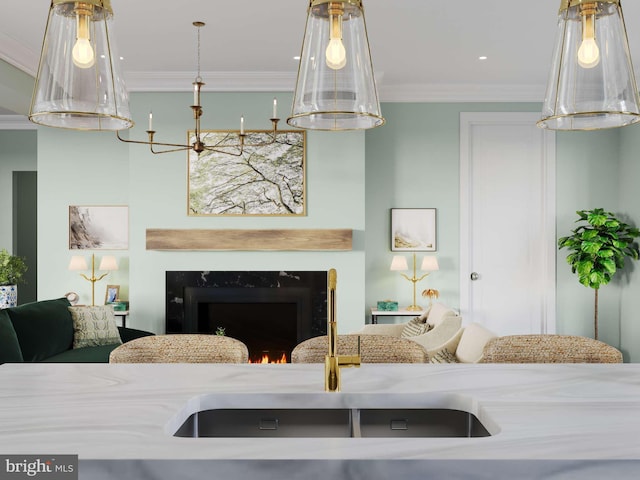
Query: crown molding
(214,81)
(16,122)
(285,82)
(16,54)
(458,93)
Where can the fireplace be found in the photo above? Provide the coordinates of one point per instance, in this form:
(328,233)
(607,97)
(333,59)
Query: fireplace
(270,312)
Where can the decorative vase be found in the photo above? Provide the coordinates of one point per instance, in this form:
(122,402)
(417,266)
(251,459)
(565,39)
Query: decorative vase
(8,296)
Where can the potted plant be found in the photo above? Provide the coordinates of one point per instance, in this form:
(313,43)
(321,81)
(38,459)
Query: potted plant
(598,250)
(12,270)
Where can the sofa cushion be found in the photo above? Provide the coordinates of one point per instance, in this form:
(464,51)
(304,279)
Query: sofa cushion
(84,355)
(94,326)
(437,313)
(43,328)
(9,346)
(472,343)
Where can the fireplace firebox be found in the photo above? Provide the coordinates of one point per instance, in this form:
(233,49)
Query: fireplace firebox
(270,312)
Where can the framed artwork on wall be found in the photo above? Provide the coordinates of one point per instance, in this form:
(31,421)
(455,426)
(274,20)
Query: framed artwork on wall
(263,180)
(99,227)
(413,229)
(112,294)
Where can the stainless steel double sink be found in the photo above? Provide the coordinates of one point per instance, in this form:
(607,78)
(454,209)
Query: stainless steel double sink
(331,422)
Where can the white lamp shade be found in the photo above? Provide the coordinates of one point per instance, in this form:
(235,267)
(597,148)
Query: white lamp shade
(80,88)
(596,89)
(108,262)
(78,263)
(399,263)
(342,97)
(430,264)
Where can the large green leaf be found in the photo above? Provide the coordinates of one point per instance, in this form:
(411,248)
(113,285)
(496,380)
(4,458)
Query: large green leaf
(609,265)
(620,244)
(591,247)
(589,234)
(596,218)
(612,223)
(585,267)
(605,253)
(596,278)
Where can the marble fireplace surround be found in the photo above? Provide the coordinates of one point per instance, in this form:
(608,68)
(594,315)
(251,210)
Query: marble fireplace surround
(185,290)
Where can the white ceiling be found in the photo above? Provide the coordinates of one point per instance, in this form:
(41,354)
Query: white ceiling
(423,50)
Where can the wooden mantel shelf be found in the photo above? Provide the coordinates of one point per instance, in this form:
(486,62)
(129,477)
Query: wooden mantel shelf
(250,240)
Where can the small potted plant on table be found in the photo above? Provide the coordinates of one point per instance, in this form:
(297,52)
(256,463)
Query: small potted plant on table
(12,270)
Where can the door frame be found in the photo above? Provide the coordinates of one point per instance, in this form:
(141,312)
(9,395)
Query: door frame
(467,121)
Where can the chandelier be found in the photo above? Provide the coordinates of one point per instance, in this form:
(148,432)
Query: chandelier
(199,144)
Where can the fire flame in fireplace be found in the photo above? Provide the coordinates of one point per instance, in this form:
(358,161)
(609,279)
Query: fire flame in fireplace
(279,357)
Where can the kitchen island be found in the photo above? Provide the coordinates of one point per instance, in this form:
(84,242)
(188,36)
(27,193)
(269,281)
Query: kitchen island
(545,421)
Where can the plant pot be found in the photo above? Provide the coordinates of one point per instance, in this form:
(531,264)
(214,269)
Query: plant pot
(8,296)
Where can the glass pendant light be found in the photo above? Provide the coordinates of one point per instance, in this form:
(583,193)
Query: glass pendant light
(336,88)
(79,83)
(591,83)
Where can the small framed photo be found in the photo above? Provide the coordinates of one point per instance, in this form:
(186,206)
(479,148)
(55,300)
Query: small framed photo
(413,229)
(112,294)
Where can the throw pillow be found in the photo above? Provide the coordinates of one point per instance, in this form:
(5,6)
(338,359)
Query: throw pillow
(437,313)
(94,326)
(415,326)
(443,356)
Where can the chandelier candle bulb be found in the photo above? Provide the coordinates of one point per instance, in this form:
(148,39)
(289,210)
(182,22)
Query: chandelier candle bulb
(275,108)
(241,125)
(150,121)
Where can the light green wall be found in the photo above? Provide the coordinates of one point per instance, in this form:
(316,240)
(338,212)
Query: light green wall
(630,208)
(83,168)
(413,161)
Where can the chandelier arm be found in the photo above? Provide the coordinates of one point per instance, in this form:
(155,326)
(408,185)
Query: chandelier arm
(179,149)
(224,152)
(140,142)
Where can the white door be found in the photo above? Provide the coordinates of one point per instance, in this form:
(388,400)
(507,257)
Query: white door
(507,223)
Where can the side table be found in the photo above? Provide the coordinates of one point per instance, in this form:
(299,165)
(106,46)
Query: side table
(403,312)
(123,314)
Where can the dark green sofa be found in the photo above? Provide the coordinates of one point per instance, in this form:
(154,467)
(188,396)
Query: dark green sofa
(43,332)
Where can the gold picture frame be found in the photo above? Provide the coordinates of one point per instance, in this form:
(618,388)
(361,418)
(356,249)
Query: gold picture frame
(266,180)
(413,229)
(112,294)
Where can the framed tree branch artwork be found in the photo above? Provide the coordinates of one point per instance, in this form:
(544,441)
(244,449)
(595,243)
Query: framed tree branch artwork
(262,180)
(413,229)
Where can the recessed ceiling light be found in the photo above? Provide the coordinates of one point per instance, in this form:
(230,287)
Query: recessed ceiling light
(297,57)
(482,58)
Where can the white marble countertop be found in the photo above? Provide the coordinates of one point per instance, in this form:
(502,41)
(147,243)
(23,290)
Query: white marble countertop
(127,411)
